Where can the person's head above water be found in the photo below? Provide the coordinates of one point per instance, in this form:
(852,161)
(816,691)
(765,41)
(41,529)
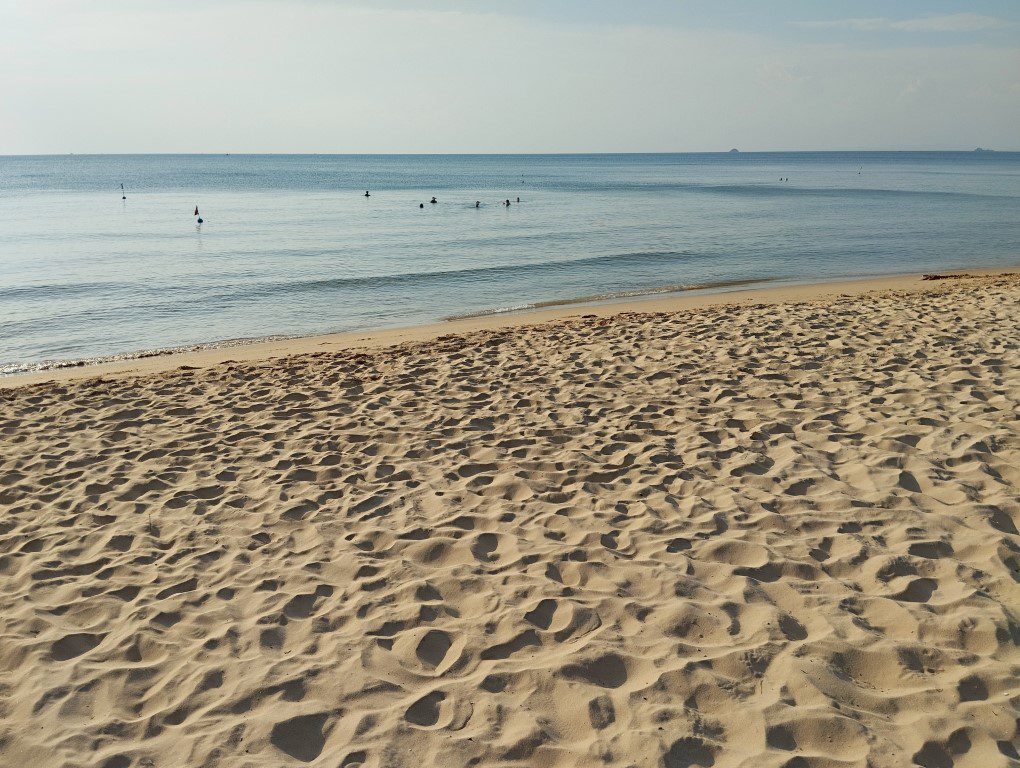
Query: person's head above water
(421,205)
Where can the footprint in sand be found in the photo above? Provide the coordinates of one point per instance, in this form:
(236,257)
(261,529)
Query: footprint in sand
(425,711)
(72,646)
(485,547)
(433,648)
(300,737)
(609,671)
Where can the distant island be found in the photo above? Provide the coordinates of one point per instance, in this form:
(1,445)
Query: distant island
(979,149)
(734,150)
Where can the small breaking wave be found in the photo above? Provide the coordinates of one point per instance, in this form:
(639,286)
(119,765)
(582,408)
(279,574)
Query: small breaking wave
(612,296)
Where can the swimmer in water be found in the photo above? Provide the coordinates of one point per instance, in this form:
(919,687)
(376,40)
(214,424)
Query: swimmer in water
(478,204)
(366,193)
(196,210)
(518,199)
(433,201)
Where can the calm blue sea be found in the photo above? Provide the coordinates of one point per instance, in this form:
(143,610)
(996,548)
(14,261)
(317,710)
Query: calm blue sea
(290,245)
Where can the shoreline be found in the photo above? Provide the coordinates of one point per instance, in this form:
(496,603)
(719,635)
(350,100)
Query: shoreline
(653,301)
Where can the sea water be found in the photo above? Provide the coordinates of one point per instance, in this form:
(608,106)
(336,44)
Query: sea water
(290,245)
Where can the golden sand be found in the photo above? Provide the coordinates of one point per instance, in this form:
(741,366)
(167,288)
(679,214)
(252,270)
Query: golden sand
(754,534)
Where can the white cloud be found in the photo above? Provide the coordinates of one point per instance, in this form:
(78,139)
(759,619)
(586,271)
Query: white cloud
(957,22)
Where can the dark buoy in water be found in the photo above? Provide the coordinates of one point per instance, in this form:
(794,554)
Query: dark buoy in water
(421,205)
(122,195)
(199,219)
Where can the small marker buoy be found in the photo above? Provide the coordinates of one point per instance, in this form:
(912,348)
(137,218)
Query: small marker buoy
(199,219)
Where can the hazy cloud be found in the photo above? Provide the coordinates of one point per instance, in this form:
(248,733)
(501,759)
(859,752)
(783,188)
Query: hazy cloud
(957,22)
(267,76)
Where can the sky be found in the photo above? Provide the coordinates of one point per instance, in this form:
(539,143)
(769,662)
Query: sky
(351,76)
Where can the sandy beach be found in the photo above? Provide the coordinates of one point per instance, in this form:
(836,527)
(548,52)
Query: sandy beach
(767,528)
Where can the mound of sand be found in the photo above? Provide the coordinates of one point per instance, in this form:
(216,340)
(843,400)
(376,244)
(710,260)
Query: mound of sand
(739,536)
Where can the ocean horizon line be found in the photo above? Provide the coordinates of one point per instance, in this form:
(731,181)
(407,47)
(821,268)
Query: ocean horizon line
(663,153)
